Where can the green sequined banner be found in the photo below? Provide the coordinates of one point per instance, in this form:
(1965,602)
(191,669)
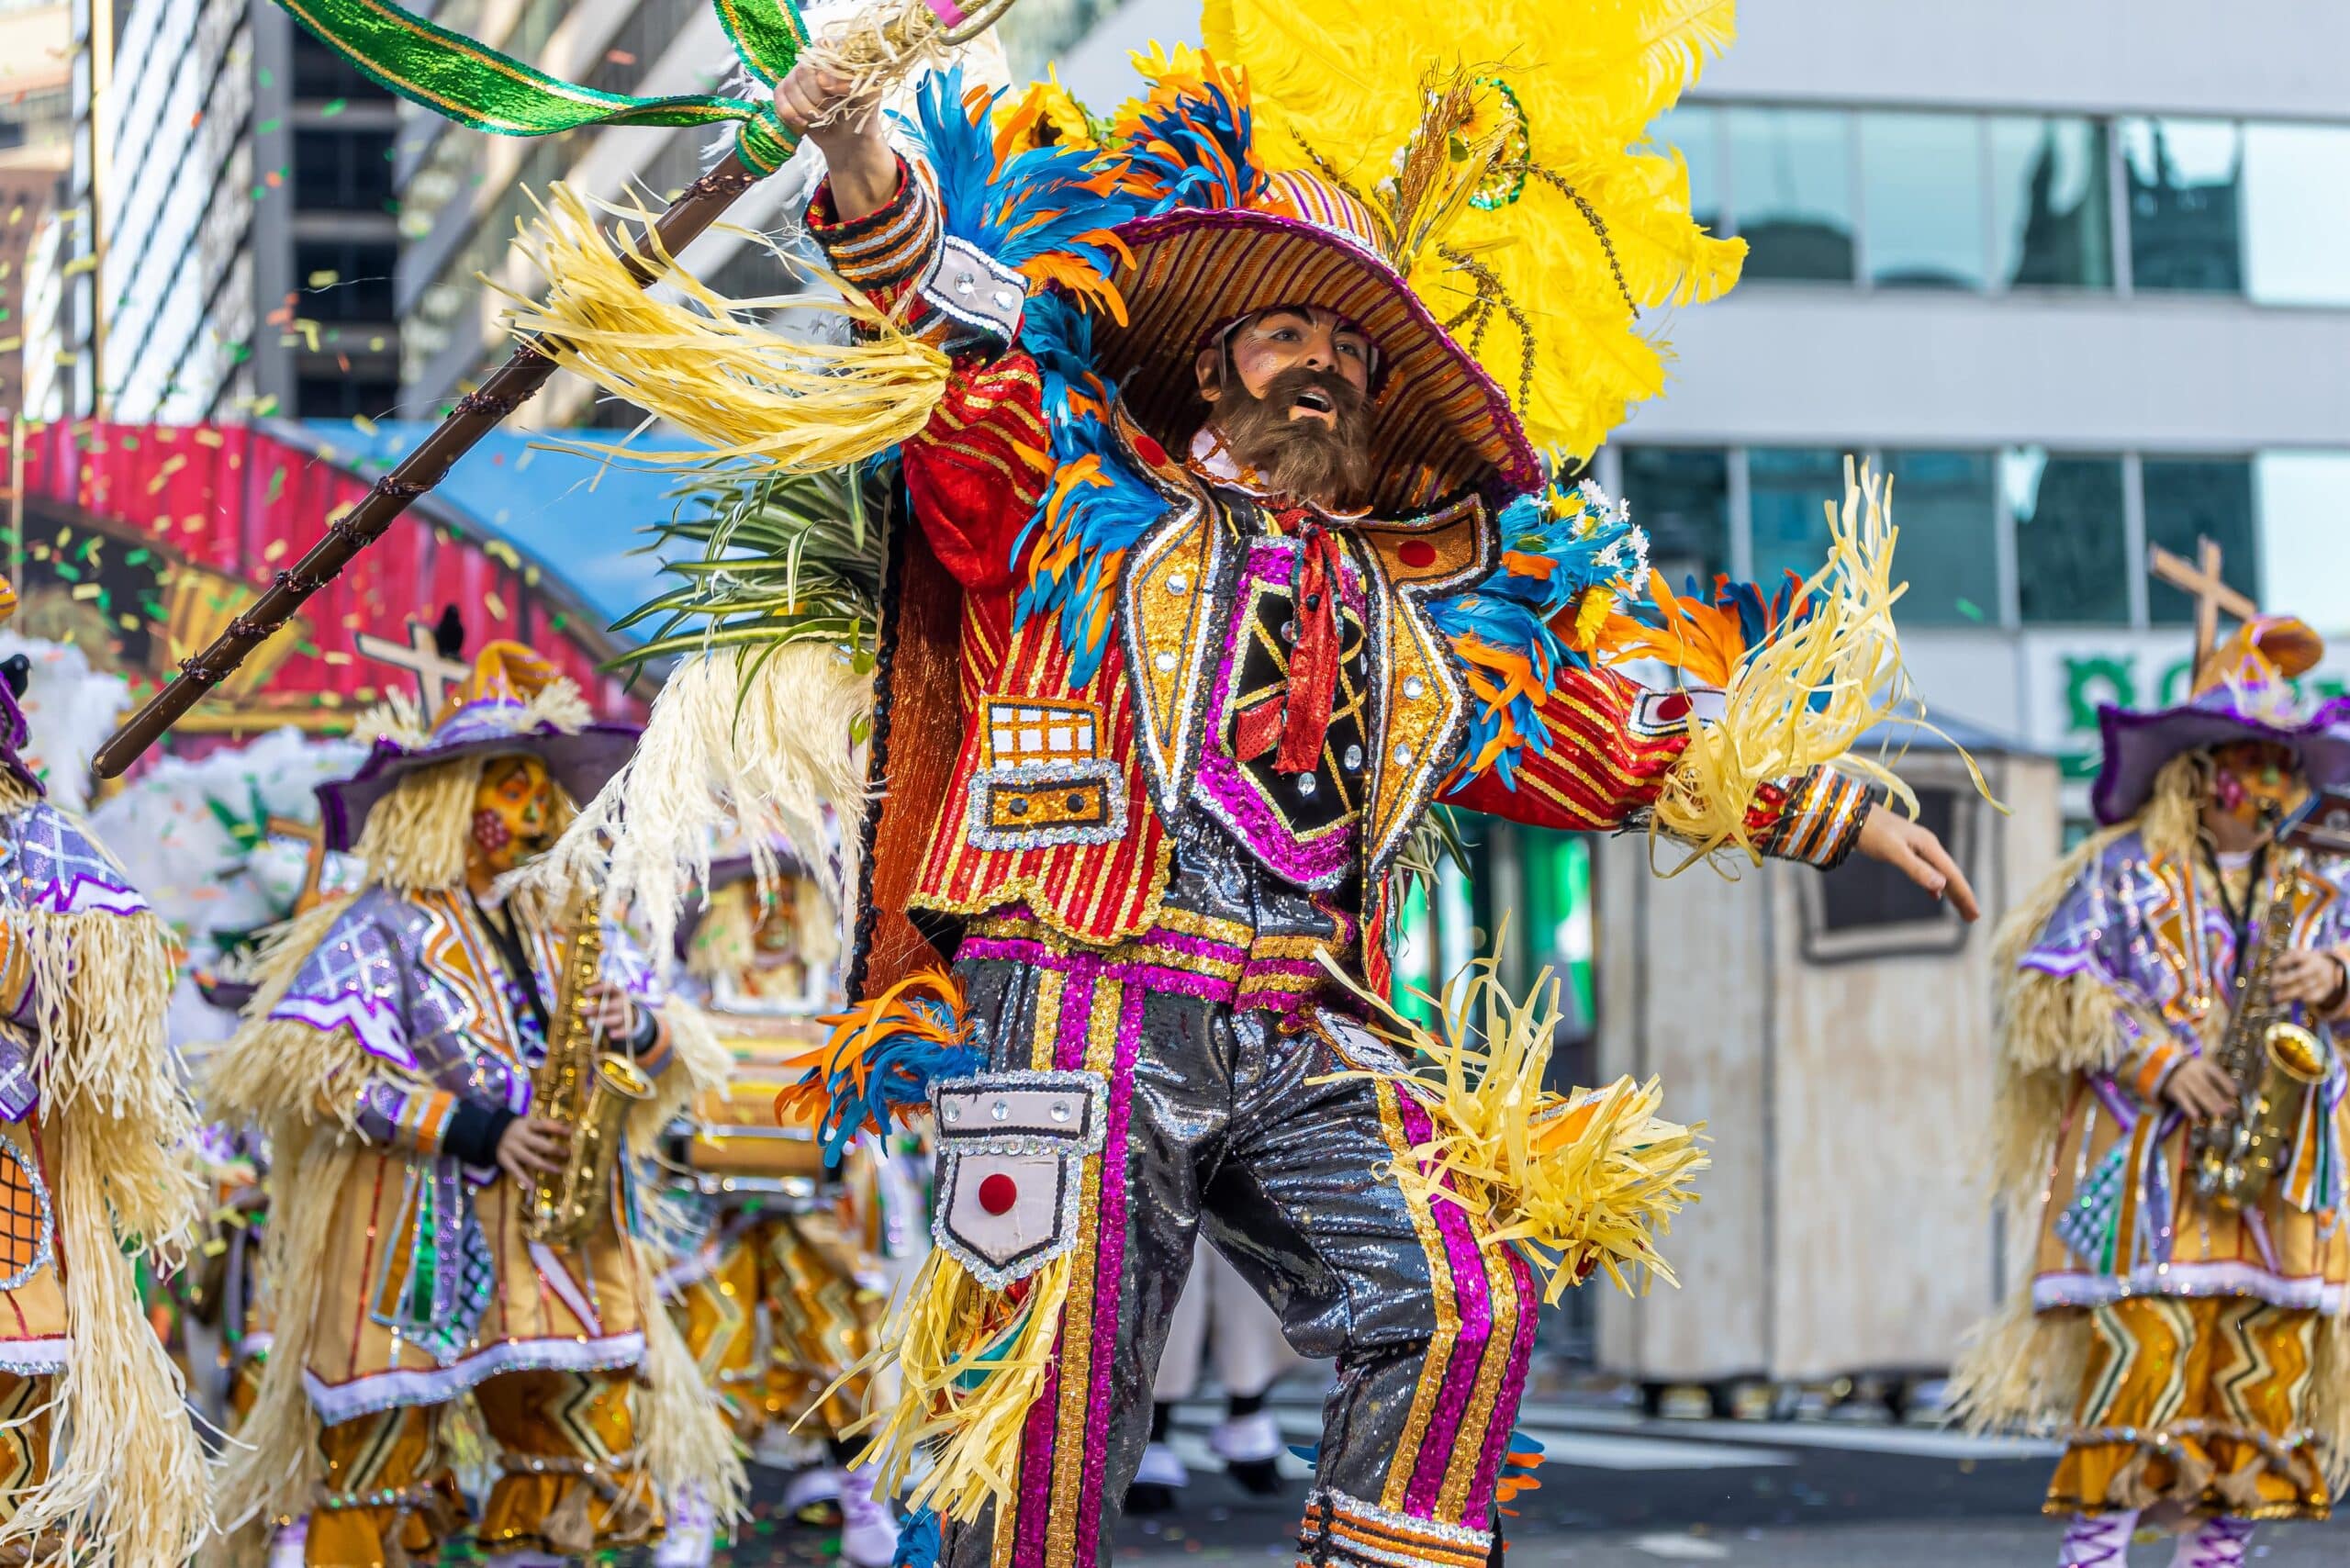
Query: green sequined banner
(482,89)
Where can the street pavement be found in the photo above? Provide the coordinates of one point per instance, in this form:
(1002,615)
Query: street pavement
(1619,1491)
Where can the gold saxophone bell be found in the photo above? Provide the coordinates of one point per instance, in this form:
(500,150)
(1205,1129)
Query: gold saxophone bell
(2299,1054)
(589,1091)
(2277,1064)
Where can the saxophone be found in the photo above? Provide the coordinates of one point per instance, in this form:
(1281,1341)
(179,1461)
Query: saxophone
(589,1091)
(2275,1062)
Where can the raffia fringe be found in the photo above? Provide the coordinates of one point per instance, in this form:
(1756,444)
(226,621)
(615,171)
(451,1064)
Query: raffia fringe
(2053,1026)
(278,1074)
(2023,1370)
(1577,1182)
(970,1361)
(272,1470)
(101,986)
(1804,696)
(705,364)
(682,1431)
(703,1062)
(760,742)
(126,1477)
(873,47)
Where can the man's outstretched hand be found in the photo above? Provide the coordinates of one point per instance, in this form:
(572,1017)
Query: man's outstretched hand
(1912,849)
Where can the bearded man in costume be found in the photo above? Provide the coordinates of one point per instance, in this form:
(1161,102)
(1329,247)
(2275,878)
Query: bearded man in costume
(98,1462)
(2189,1329)
(390,1055)
(1187,761)
(1206,562)
(779,1291)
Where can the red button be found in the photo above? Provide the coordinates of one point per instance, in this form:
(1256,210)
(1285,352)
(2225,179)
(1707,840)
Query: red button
(1416,553)
(998,1194)
(1671,707)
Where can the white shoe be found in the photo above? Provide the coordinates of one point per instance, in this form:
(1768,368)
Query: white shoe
(288,1544)
(869,1529)
(821,1483)
(780,1448)
(1161,1466)
(689,1540)
(1246,1440)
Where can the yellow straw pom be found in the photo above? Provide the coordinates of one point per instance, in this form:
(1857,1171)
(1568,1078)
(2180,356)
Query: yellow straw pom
(704,363)
(1579,1183)
(970,1362)
(1805,695)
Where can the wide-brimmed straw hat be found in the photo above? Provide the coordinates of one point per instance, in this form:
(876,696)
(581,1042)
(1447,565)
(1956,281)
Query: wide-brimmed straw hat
(2243,692)
(1439,425)
(512,703)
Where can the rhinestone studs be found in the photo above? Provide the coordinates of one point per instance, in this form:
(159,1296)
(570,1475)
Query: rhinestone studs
(1165,663)
(1413,689)
(1402,754)
(1178,584)
(1354,759)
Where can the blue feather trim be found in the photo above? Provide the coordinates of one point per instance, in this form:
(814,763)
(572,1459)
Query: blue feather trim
(1193,149)
(1590,543)
(899,1068)
(1104,513)
(921,1541)
(1044,199)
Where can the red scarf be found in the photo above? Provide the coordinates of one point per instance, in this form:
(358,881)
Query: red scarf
(1313,657)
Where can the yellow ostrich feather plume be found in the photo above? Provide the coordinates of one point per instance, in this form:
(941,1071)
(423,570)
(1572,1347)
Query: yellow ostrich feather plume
(1504,145)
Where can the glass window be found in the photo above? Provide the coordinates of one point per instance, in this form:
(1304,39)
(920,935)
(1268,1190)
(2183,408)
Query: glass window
(2185,190)
(1788,492)
(1946,504)
(2191,499)
(1921,199)
(2072,547)
(344,280)
(1791,191)
(2304,497)
(2051,223)
(1681,496)
(342,171)
(1694,131)
(2297,214)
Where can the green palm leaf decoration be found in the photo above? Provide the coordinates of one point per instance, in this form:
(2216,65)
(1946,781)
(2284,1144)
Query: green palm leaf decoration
(775,558)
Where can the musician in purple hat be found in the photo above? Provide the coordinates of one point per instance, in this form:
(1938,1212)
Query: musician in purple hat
(2171,1118)
(396,1053)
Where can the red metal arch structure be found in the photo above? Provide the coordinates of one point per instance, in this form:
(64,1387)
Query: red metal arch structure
(155,537)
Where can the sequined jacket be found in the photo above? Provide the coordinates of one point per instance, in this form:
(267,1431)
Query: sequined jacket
(415,979)
(2122,1215)
(1066,781)
(50,865)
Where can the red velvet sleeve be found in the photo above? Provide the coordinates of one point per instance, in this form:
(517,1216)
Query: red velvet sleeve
(1608,757)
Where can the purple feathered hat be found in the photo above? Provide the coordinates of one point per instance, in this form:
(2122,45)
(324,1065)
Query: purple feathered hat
(493,714)
(2243,692)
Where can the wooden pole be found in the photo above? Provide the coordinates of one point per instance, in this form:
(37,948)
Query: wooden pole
(475,416)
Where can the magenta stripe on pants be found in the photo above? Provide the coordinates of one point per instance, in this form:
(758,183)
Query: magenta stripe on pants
(1453,1421)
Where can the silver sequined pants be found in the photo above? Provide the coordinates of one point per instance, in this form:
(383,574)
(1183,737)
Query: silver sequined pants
(1221,1123)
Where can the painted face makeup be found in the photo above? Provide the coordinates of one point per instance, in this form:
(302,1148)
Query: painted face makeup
(2252,778)
(511,809)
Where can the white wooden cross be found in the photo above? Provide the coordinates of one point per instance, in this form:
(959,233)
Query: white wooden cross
(2201,580)
(420,657)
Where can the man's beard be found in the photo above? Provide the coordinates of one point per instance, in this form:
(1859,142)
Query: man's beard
(1323,460)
